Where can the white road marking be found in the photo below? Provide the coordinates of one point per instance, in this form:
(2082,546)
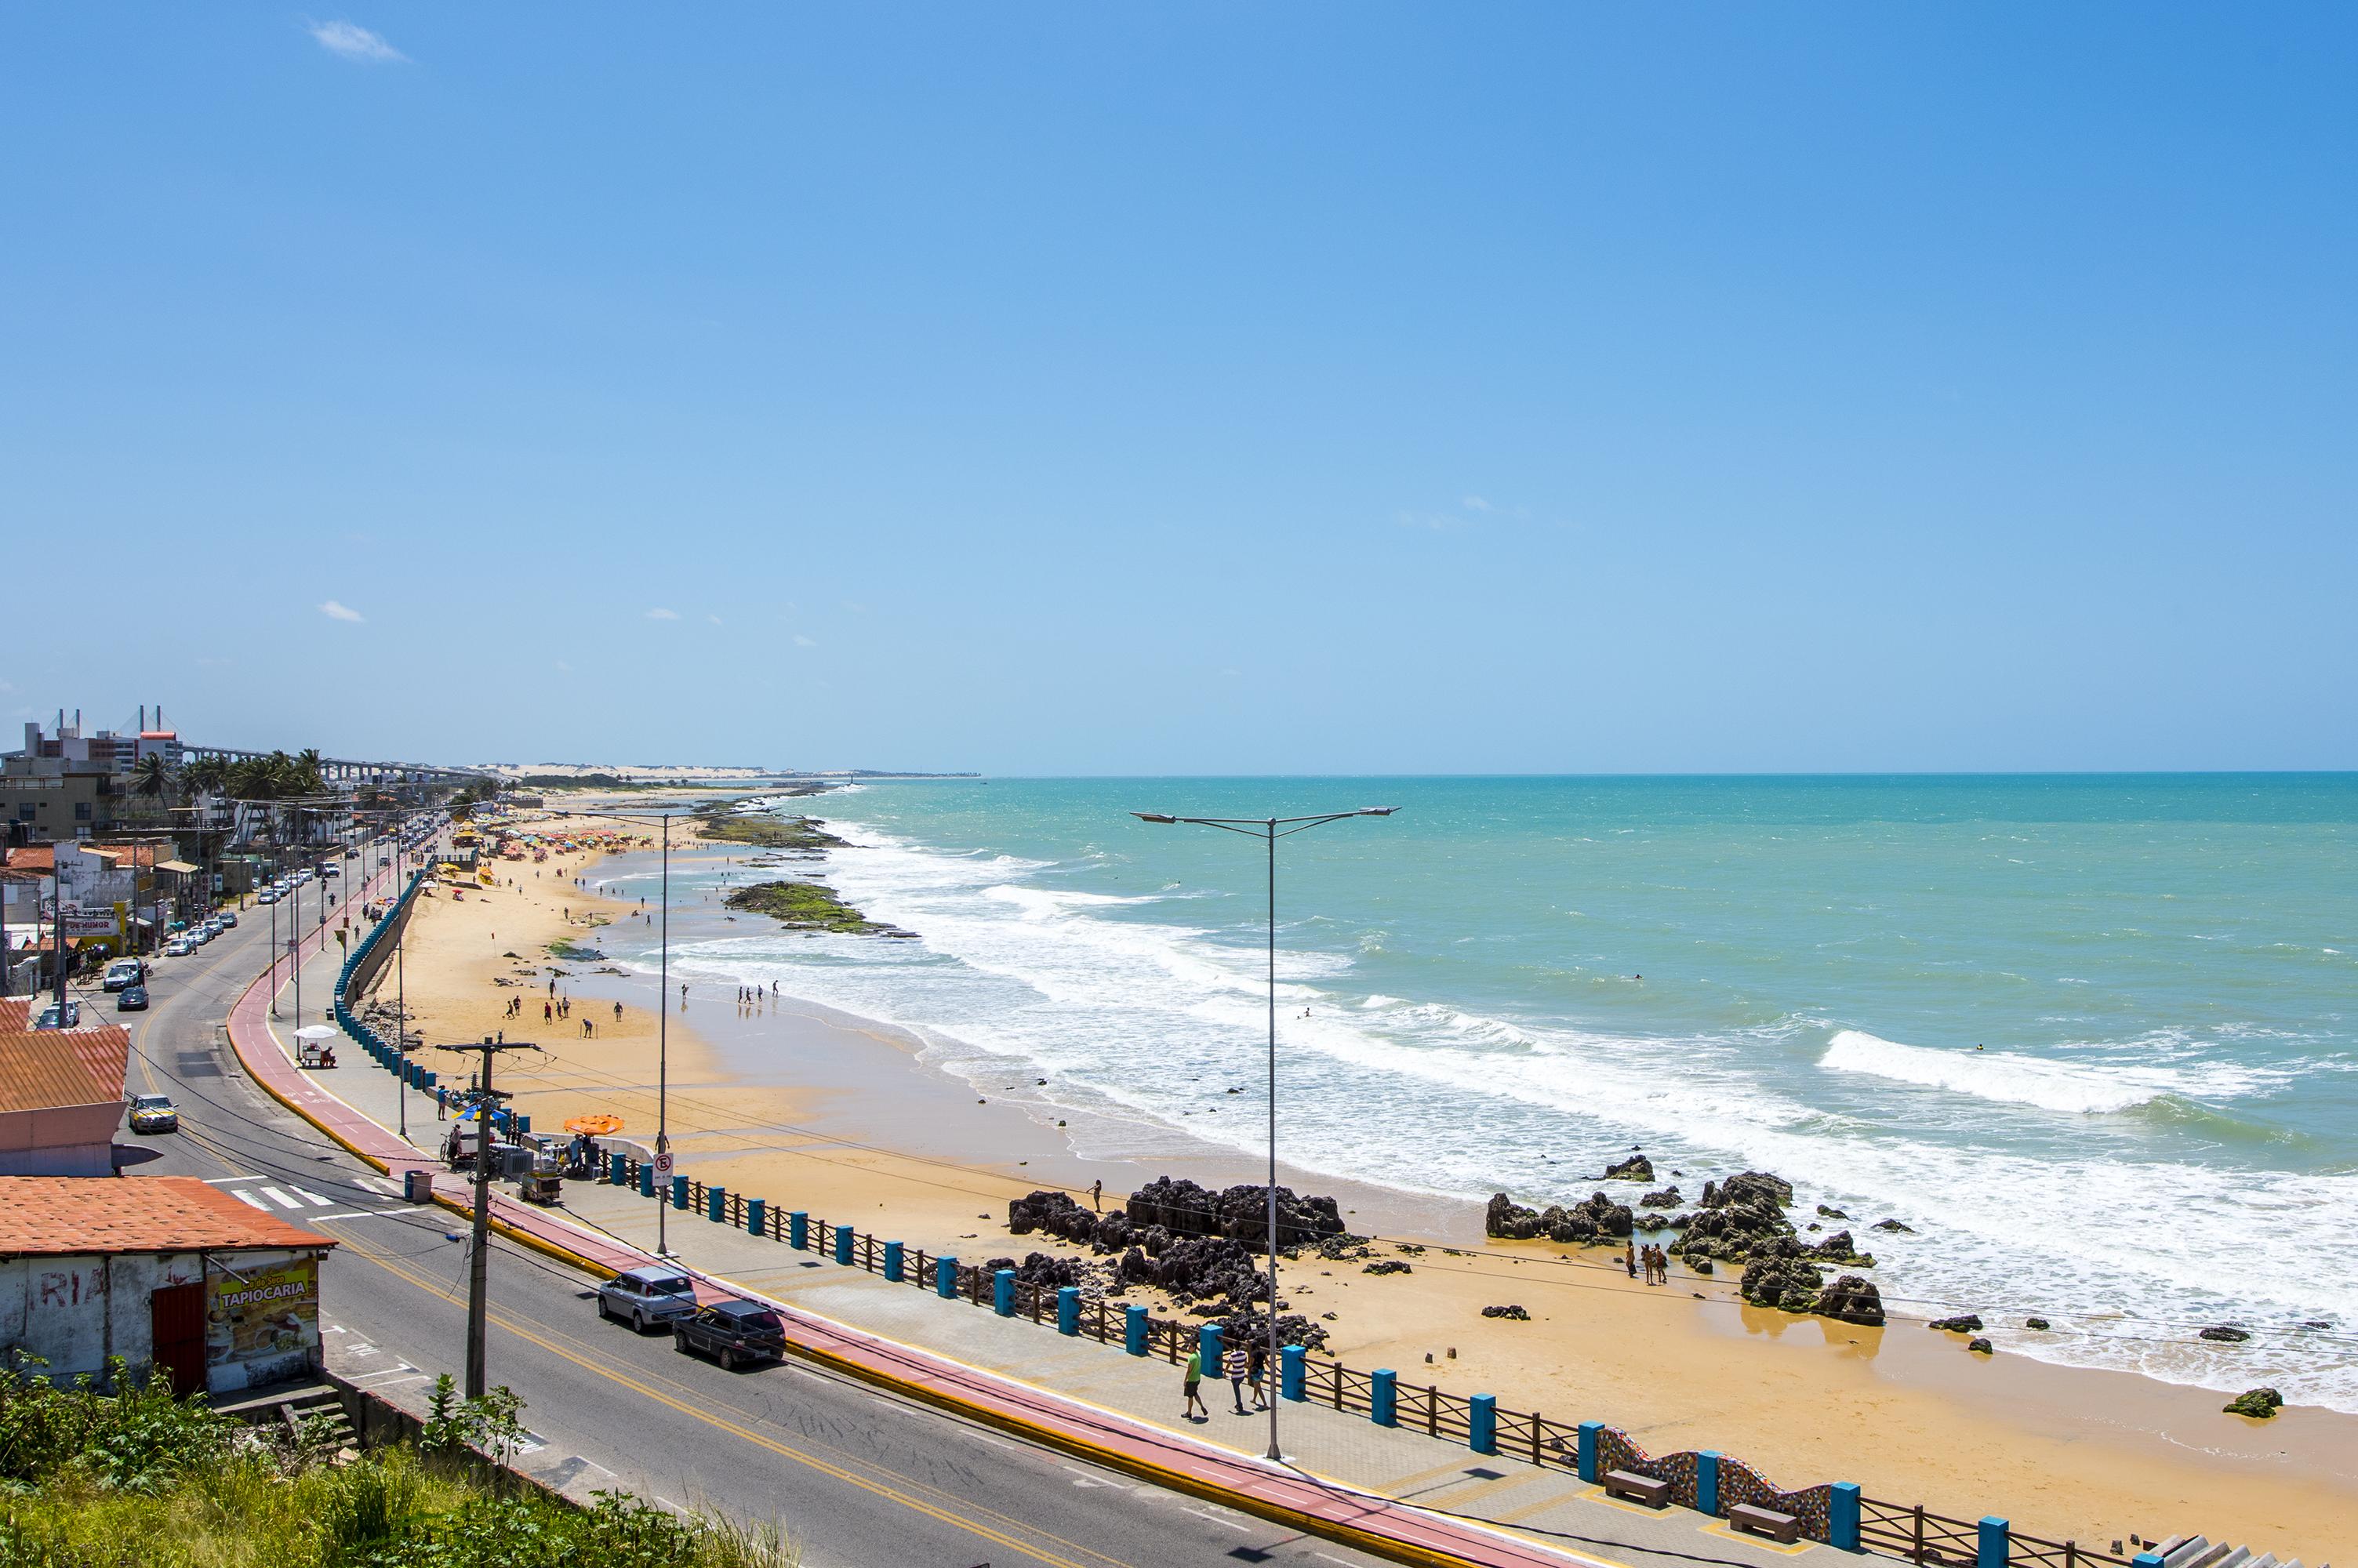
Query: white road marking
(347,1214)
(250,1199)
(1243,1530)
(219,1181)
(281,1199)
(314,1199)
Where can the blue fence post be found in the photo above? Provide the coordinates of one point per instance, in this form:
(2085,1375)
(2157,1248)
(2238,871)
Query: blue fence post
(757,1216)
(1002,1292)
(895,1270)
(1135,1329)
(1068,1309)
(1482,1424)
(1292,1372)
(679,1192)
(1993,1543)
(1842,1517)
(797,1229)
(427,1080)
(1707,1482)
(2145,1560)
(1591,1432)
(1208,1344)
(716,1204)
(647,1180)
(1383,1397)
(946,1278)
(616,1173)
(843,1244)
(523,1124)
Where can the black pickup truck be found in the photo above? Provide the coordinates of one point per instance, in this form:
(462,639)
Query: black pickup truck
(735,1333)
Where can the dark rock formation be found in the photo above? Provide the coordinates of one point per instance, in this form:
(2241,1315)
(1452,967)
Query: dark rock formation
(2034,1322)
(1826,1213)
(1198,1268)
(1790,1283)
(1733,1231)
(1387,1266)
(1636,1168)
(1515,1312)
(1510,1220)
(1853,1300)
(1240,1212)
(1837,1248)
(1055,1212)
(2257,1403)
(1668,1197)
(1981,1346)
(1748,1186)
(1250,1327)
(1595,1219)
(1040,1268)
(1893,1225)
(2224,1335)
(1963,1323)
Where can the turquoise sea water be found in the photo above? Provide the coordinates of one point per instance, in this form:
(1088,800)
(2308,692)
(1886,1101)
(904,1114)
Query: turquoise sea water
(2091,1036)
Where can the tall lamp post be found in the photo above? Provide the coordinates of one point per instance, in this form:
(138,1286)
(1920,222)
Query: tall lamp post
(1269,830)
(662,1014)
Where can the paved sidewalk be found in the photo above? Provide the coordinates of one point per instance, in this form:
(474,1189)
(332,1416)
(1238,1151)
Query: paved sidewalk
(1371,1485)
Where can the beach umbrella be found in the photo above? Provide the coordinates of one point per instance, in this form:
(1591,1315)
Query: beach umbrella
(317,1032)
(598,1125)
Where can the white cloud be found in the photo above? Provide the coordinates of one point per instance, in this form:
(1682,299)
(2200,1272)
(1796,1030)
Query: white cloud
(714,619)
(803,642)
(564,668)
(661,614)
(335,611)
(353,41)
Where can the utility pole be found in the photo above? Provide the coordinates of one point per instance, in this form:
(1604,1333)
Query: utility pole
(484,1101)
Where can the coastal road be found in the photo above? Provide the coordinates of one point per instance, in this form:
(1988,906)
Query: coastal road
(856,1476)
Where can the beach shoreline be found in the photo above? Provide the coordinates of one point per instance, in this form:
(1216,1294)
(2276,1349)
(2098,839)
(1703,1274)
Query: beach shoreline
(850,1119)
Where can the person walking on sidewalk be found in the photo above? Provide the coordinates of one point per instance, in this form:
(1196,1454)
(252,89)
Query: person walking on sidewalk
(1194,1382)
(1259,1370)
(1236,1364)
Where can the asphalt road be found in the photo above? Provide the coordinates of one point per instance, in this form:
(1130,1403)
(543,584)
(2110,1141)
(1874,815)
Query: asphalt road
(856,1477)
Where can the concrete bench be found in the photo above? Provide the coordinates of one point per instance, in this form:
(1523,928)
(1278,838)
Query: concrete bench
(1764,1522)
(1639,1489)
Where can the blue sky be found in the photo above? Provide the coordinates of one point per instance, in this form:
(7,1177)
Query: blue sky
(1203,388)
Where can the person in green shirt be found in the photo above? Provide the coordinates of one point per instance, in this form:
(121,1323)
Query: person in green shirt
(1194,1382)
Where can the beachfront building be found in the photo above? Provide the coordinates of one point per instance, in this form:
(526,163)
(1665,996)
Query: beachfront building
(161,1272)
(60,1095)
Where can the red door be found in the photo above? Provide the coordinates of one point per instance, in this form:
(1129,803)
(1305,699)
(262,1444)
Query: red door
(177,1315)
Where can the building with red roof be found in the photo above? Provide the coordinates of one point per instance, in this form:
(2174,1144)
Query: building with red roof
(162,1271)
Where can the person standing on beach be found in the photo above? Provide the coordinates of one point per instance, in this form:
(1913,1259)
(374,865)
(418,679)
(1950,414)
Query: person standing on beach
(1096,1195)
(1629,1257)
(1235,1365)
(1194,1382)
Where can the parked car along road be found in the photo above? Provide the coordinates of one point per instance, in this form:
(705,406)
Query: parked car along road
(736,1332)
(179,947)
(647,1297)
(123,972)
(49,1019)
(131,998)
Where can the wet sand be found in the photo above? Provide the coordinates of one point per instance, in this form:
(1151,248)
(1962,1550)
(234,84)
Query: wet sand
(817,1111)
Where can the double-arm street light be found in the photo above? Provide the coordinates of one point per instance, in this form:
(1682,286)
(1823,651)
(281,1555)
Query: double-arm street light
(663,1013)
(1270,828)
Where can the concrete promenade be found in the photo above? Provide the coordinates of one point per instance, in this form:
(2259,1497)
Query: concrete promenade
(1389,1491)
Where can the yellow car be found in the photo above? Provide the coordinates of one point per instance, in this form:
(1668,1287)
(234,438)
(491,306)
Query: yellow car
(153,1113)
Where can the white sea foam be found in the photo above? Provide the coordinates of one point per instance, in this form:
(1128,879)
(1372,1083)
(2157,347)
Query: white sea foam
(2011,1078)
(1147,1016)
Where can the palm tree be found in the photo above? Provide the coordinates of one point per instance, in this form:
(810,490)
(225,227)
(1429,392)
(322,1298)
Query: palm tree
(308,778)
(206,775)
(153,778)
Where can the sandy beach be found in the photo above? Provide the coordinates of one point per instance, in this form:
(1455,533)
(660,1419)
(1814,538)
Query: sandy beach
(820,1111)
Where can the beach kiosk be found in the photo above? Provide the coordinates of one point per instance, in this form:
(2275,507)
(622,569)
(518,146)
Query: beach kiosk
(314,1045)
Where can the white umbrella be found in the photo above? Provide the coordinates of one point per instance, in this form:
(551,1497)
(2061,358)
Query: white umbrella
(319,1032)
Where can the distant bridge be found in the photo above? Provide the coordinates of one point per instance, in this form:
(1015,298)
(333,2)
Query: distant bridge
(345,769)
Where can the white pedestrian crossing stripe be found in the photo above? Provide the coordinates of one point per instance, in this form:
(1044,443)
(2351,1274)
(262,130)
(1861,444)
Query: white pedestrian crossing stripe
(249,1197)
(281,1199)
(314,1199)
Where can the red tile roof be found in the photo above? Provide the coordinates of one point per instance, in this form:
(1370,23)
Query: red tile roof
(60,1216)
(31,859)
(42,1069)
(15,1014)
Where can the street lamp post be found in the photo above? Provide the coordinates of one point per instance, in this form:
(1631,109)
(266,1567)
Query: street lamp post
(662,1015)
(1269,830)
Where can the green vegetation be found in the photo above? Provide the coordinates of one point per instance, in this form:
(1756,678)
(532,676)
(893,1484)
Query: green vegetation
(806,906)
(762,830)
(139,1479)
(566,948)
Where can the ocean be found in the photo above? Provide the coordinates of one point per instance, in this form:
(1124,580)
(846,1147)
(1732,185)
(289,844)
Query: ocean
(2089,1036)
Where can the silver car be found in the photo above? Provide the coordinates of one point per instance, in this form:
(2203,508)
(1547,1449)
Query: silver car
(647,1298)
